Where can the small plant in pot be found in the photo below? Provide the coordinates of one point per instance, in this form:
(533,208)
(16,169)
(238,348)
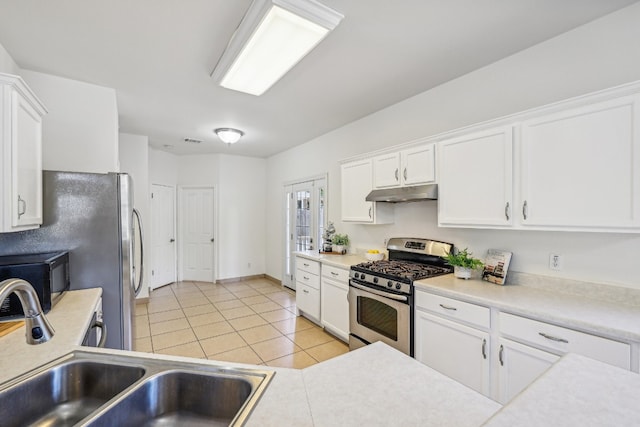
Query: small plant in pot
(463,263)
(339,242)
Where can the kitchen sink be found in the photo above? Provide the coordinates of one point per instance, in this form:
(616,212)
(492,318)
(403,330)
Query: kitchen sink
(180,398)
(64,394)
(98,389)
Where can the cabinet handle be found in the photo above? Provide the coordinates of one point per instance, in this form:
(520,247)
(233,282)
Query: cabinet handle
(333,273)
(446,307)
(404,174)
(501,355)
(484,348)
(552,338)
(305,291)
(525,209)
(370,209)
(506,211)
(397,175)
(22,202)
(305,264)
(305,277)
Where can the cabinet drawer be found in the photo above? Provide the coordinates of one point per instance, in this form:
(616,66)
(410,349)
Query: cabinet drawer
(304,264)
(453,309)
(563,340)
(335,273)
(309,279)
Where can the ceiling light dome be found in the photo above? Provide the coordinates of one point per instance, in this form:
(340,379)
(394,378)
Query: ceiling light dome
(229,135)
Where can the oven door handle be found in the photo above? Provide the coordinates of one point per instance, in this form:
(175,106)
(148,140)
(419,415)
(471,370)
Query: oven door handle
(380,293)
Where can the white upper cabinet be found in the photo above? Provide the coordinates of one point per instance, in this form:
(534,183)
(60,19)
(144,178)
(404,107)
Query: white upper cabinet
(386,169)
(413,166)
(475,182)
(572,166)
(419,165)
(356,183)
(580,168)
(21,164)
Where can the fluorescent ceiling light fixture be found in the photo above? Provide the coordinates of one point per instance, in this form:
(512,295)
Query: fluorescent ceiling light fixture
(229,135)
(272,38)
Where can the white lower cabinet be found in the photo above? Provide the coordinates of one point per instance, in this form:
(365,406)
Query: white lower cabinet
(458,351)
(518,366)
(335,307)
(308,288)
(495,353)
(308,301)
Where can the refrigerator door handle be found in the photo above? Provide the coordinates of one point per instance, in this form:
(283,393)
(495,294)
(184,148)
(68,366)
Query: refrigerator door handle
(141,272)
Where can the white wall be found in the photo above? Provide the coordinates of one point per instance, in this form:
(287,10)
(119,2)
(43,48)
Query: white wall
(7,64)
(241,201)
(163,168)
(241,208)
(80,132)
(134,160)
(595,56)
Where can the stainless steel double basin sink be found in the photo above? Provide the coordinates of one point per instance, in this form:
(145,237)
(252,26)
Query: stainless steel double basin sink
(97,389)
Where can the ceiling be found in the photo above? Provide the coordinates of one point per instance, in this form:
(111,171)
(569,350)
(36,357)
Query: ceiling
(158,54)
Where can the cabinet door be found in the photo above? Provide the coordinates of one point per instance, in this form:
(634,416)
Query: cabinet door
(335,307)
(475,179)
(457,351)
(418,165)
(308,300)
(580,167)
(386,170)
(356,183)
(518,366)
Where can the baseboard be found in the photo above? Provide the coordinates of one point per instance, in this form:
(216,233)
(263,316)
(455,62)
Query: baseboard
(240,279)
(273,279)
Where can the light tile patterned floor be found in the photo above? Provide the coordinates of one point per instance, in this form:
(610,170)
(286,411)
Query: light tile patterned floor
(252,321)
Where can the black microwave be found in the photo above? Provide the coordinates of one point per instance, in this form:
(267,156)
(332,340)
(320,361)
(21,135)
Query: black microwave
(48,273)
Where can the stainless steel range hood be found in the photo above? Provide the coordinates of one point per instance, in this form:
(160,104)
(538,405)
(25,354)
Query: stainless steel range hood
(404,194)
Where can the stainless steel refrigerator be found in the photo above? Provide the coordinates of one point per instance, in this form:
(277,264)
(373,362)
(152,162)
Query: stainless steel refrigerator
(91,216)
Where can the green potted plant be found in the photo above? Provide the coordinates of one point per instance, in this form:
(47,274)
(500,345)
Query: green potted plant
(339,242)
(463,263)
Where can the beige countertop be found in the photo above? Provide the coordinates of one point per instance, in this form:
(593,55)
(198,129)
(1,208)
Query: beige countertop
(70,318)
(576,391)
(585,312)
(340,261)
(375,385)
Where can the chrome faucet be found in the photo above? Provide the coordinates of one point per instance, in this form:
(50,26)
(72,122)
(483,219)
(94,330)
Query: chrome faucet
(38,328)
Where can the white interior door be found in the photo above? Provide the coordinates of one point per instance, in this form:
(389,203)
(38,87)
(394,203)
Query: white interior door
(163,239)
(197,234)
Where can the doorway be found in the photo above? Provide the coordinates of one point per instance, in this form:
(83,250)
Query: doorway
(197,240)
(305,221)
(163,255)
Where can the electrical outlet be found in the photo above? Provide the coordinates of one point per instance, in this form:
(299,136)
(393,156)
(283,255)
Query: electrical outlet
(555,262)
(385,242)
(249,265)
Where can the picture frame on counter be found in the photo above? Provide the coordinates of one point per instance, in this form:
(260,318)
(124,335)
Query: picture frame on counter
(496,266)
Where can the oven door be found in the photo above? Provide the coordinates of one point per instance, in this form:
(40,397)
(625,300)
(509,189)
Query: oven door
(376,315)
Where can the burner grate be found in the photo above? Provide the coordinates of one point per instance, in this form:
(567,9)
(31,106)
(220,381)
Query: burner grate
(406,270)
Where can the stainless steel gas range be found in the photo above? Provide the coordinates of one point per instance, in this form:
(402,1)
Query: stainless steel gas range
(381,293)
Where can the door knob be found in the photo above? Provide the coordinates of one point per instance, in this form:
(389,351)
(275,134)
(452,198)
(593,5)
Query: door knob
(172,240)
(212,239)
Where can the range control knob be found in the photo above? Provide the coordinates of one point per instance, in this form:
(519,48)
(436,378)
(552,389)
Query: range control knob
(398,286)
(389,284)
(356,275)
(362,277)
(375,280)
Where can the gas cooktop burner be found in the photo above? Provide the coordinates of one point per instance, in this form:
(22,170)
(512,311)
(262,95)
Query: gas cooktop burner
(406,271)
